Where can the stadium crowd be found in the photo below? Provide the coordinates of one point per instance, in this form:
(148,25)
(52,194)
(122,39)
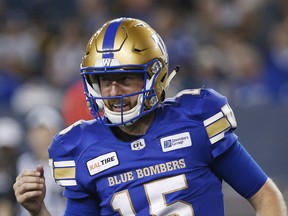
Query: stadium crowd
(239,48)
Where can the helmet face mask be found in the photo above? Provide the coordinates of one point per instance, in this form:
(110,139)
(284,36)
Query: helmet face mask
(131,46)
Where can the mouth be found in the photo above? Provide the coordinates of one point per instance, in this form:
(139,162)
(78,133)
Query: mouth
(119,107)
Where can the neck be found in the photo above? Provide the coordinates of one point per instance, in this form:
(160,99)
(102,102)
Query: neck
(139,127)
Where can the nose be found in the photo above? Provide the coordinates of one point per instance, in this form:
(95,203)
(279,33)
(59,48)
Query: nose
(115,89)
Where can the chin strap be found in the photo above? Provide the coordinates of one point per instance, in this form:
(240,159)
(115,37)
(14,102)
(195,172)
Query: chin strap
(170,77)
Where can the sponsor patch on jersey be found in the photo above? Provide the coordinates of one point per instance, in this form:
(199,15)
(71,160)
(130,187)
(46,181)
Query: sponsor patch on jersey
(138,145)
(102,163)
(177,141)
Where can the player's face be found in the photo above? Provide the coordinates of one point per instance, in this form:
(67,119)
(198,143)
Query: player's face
(120,84)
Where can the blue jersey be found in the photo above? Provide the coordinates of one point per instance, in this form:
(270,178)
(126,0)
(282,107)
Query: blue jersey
(176,168)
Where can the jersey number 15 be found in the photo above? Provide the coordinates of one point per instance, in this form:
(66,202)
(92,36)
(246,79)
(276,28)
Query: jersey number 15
(155,193)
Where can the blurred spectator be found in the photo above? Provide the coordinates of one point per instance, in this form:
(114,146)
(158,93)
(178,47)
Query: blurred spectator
(243,69)
(74,106)
(42,123)
(19,45)
(209,68)
(11,138)
(64,54)
(134,8)
(9,82)
(18,54)
(35,93)
(90,22)
(276,61)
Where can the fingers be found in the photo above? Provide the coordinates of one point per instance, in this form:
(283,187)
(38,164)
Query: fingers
(28,173)
(28,184)
(22,198)
(40,169)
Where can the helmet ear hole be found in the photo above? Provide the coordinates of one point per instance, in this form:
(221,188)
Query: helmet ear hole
(163,78)
(163,94)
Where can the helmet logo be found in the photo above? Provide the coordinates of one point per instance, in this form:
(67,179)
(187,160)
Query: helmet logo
(156,67)
(106,61)
(153,101)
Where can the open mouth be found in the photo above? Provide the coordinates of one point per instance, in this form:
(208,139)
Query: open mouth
(119,107)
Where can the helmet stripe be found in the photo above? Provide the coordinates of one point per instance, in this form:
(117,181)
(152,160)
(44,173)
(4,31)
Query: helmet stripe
(109,38)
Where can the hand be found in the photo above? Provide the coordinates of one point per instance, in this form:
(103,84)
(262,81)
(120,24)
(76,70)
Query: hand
(30,190)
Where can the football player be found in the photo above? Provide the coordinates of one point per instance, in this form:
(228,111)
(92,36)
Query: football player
(144,155)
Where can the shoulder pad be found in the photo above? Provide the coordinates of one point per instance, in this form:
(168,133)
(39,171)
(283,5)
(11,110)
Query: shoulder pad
(64,151)
(218,117)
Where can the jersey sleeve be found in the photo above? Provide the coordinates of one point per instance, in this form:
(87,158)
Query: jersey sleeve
(231,161)
(68,170)
(219,122)
(240,171)
(64,154)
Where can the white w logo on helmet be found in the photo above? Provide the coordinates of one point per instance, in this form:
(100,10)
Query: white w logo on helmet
(106,62)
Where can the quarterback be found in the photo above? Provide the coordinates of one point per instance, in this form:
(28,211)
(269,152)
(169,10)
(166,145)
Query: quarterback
(144,154)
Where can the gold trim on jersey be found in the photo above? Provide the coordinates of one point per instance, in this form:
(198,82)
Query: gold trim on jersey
(218,124)
(64,172)
(217,127)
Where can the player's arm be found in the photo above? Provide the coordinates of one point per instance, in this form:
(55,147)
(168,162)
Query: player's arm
(242,172)
(234,164)
(30,190)
(269,201)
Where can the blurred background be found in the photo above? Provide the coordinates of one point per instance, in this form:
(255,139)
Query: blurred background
(238,47)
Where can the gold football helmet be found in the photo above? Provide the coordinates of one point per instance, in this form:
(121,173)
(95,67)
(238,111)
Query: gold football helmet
(126,45)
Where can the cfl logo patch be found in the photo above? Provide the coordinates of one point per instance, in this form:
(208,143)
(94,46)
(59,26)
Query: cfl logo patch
(138,145)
